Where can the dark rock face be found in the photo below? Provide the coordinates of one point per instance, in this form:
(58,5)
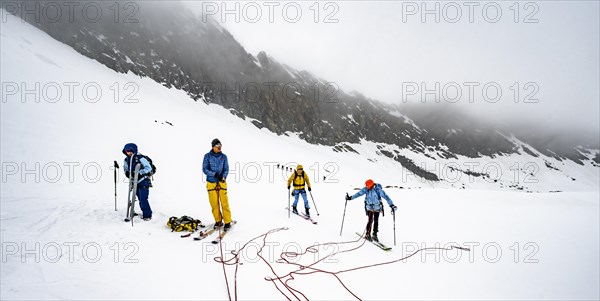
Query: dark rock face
(415,169)
(176,48)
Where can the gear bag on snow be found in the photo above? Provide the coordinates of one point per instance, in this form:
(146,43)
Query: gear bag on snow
(184,223)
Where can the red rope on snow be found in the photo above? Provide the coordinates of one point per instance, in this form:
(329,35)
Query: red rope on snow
(281,282)
(218,188)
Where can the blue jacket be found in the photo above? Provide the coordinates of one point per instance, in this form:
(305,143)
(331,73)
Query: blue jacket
(215,164)
(373,197)
(144,169)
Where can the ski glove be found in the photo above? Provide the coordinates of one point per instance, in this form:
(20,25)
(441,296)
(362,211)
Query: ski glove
(309,189)
(393,207)
(127,174)
(288,187)
(348,197)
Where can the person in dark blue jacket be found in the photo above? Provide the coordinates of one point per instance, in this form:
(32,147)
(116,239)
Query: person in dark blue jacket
(216,168)
(373,205)
(143,187)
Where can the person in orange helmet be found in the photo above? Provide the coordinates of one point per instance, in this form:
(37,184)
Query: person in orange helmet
(373,206)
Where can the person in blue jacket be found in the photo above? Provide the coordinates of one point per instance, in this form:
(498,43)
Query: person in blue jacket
(216,168)
(143,187)
(373,205)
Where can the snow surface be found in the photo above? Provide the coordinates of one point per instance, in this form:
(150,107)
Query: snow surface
(558,230)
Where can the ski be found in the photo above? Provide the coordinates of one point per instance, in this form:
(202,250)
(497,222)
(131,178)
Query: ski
(302,215)
(127,219)
(306,217)
(378,244)
(201,226)
(206,233)
(220,237)
(132,194)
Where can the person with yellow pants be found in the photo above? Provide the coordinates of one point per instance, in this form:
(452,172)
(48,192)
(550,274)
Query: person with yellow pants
(216,168)
(300,179)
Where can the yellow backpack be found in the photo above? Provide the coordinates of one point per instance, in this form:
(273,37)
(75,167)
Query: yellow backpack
(178,224)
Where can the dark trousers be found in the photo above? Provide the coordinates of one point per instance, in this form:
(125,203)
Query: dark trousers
(374,221)
(142,195)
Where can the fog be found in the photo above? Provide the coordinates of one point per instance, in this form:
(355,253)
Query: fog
(543,57)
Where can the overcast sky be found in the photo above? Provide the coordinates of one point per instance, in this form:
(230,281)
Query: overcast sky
(384,50)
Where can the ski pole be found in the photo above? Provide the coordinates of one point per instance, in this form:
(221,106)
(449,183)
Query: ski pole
(289,204)
(344,216)
(116,166)
(394,218)
(313,199)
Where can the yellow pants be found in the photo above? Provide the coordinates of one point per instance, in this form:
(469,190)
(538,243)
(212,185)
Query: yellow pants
(222,198)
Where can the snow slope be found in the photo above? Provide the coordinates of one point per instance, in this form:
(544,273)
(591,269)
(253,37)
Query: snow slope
(62,239)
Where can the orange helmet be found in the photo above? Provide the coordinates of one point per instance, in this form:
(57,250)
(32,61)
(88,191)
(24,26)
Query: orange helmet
(369,183)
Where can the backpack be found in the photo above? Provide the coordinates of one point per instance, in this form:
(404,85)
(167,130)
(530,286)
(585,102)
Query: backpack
(178,224)
(296,175)
(380,204)
(153,171)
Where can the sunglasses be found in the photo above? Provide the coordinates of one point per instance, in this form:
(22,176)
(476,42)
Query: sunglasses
(218,145)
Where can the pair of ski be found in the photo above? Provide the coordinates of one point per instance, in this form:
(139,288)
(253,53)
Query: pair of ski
(201,226)
(133,181)
(304,216)
(211,229)
(376,243)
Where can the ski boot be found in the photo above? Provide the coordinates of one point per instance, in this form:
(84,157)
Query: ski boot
(368,237)
(218,224)
(374,237)
(227,226)
(294,210)
(307,213)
